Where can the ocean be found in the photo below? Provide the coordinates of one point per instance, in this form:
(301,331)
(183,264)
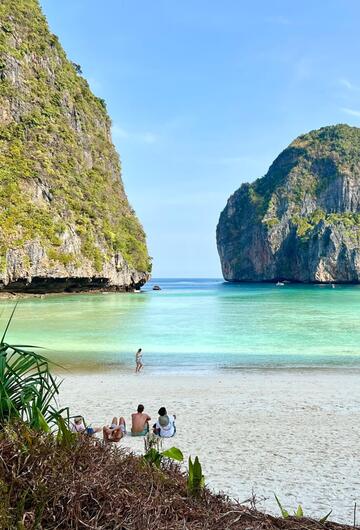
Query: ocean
(195,325)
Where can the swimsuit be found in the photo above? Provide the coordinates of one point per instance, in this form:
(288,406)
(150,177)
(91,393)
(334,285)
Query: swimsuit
(144,432)
(114,426)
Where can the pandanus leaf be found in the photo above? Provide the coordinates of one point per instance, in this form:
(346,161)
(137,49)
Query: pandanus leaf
(325,518)
(284,512)
(27,388)
(299,512)
(64,435)
(196,480)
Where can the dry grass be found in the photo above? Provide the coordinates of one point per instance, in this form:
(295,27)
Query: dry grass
(45,485)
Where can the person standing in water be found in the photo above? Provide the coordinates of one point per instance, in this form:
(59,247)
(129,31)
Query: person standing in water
(138,360)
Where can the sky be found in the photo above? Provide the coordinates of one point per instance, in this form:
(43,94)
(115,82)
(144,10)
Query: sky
(203,95)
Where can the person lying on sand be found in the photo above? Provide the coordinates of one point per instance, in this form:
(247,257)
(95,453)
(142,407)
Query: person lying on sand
(140,422)
(78,426)
(165,426)
(115,431)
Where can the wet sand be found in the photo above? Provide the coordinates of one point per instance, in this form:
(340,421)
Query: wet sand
(293,432)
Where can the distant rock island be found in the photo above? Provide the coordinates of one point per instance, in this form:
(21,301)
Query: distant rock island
(65,221)
(301,221)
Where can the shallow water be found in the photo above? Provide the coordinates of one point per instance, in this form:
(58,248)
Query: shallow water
(196,325)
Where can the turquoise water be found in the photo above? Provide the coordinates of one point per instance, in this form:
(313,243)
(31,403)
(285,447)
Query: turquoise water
(196,324)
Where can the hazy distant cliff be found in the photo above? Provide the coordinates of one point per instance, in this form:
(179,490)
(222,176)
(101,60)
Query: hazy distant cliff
(65,221)
(301,222)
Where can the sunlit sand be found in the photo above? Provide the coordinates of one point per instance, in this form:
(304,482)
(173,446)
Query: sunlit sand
(292,432)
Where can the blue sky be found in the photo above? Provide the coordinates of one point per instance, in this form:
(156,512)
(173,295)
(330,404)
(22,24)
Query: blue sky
(204,94)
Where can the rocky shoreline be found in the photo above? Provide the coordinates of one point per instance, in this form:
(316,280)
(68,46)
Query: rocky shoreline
(18,295)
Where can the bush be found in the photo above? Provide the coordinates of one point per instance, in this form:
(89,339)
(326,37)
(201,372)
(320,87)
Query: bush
(45,484)
(56,486)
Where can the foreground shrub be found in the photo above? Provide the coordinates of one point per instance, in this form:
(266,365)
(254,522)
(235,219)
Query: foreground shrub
(46,484)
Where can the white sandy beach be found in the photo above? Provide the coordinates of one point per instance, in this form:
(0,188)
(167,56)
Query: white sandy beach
(292,432)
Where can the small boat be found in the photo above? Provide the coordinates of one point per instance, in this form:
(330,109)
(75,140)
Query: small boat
(156,288)
(279,284)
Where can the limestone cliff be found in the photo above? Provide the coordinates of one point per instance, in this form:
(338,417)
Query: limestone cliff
(301,222)
(65,221)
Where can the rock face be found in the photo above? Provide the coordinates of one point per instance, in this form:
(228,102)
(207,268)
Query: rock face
(301,222)
(65,221)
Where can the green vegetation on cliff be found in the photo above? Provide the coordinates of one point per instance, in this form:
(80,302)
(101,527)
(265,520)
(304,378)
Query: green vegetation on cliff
(302,172)
(59,171)
(306,168)
(301,221)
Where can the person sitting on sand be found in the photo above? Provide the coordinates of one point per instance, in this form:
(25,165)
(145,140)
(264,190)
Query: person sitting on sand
(140,422)
(165,426)
(138,360)
(78,426)
(115,431)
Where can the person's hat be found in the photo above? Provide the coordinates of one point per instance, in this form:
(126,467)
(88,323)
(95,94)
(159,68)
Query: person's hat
(164,420)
